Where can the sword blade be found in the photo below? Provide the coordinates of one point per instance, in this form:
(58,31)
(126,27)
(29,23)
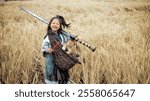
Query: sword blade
(33,14)
(43,20)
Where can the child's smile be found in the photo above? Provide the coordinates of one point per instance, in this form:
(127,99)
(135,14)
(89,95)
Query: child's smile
(55,25)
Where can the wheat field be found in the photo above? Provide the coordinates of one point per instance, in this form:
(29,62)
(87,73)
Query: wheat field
(119,29)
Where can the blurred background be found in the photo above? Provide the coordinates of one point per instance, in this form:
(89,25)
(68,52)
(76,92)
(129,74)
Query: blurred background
(120,29)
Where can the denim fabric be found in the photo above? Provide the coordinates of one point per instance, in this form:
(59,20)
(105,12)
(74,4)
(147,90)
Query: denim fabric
(49,66)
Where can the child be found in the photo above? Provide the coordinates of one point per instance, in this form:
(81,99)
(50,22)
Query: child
(54,75)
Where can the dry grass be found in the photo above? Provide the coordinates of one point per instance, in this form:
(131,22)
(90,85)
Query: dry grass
(119,30)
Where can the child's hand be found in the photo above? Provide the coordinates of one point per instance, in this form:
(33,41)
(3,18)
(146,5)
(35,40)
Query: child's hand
(71,43)
(49,50)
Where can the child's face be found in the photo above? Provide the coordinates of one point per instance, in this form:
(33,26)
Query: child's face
(55,25)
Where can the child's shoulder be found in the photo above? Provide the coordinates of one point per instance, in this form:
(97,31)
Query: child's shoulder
(46,38)
(65,33)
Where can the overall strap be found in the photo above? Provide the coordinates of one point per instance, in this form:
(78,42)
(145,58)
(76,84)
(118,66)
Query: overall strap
(54,42)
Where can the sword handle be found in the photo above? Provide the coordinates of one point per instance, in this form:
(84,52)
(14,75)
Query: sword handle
(92,48)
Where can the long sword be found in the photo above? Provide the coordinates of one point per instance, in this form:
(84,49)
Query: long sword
(92,48)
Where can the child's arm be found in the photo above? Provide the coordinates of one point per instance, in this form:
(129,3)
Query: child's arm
(46,46)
